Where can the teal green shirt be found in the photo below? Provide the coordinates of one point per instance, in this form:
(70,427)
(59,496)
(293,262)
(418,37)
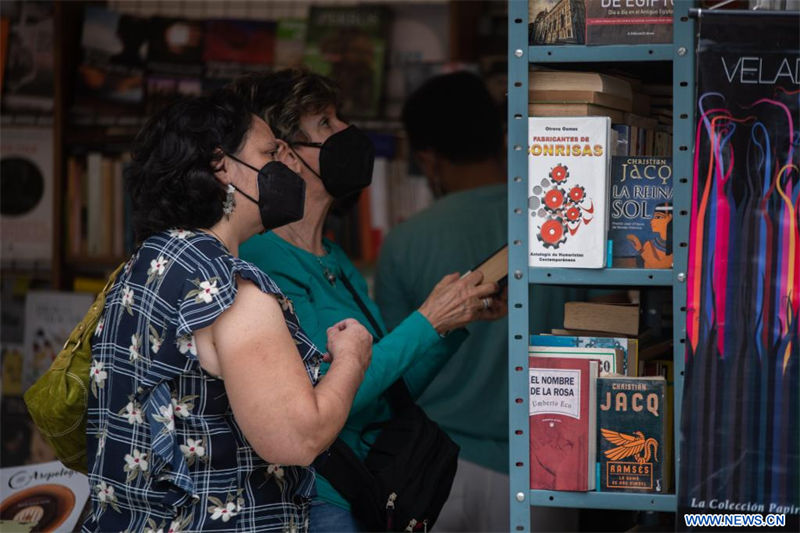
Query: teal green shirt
(412,350)
(469,396)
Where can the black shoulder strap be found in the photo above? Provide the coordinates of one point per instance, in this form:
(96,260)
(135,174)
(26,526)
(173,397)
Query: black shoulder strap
(398,393)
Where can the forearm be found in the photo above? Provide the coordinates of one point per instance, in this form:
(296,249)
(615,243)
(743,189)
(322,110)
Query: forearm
(411,342)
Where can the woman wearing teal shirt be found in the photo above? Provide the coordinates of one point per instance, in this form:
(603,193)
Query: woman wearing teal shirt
(319,279)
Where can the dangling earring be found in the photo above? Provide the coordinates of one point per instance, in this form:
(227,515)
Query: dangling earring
(230,201)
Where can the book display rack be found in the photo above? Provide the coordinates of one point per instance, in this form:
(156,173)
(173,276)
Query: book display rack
(520,58)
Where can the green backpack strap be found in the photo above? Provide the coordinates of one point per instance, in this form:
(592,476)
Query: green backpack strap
(59,399)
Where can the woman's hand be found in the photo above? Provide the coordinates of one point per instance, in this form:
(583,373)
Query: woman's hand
(349,341)
(456,301)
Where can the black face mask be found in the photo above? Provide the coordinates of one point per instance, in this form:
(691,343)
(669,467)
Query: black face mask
(281,194)
(345,162)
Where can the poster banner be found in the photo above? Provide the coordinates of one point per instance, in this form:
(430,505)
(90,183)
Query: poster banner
(740,436)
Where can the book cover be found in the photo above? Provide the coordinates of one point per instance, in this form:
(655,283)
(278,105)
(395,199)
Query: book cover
(631,425)
(612,360)
(290,43)
(628,347)
(349,45)
(568,196)
(114,48)
(175,46)
(26,207)
(234,47)
(556,22)
(29,78)
(640,228)
(628,21)
(42,497)
(562,410)
(50,316)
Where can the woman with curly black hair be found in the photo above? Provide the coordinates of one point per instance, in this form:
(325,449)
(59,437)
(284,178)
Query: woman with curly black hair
(172,445)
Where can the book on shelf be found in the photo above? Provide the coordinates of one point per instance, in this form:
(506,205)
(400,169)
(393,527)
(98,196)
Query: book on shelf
(628,347)
(26,167)
(234,47)
(626,22)
(611,359)
(640,228)
(556,22)
(110,77)
(290,43)
(29,74)
(175,46)
(632,448)
(562,413)
(665,368)
(573,109)
(349,44)
(49,319)
(568,196)
(622,319)
(543,80)
(580,97)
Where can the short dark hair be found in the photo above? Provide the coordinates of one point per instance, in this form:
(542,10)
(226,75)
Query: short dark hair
(282,97)
(171,178)
(455,116)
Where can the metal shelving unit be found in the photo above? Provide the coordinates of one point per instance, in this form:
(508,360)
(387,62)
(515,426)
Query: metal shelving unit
(520,56)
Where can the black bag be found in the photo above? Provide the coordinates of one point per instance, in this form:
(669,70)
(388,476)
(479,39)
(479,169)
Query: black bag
(407,475)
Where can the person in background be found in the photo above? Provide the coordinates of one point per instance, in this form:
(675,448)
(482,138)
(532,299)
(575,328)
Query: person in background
(203,385)
(455,132)
(336,163)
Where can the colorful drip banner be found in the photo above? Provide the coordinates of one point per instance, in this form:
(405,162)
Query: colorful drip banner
(740,441)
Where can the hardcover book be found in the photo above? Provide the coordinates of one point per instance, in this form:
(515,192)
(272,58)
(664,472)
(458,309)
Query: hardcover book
(640,229)
(632,426)
(555,22)
(567,168)
(620,319)
(628,21)
(562,409)
(234,47)
(349,45)
(628,347)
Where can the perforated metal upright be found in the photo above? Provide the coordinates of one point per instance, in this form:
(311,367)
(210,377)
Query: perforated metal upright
(520,56)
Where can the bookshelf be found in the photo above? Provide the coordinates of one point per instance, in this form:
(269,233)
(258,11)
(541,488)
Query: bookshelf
(520,56)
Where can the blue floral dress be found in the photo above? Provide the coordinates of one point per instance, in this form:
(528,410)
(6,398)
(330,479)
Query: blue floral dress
(165,453)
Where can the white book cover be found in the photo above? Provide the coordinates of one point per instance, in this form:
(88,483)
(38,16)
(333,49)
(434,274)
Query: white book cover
(50,316)
(42,497)
(26,171)
(568,163)
(610,359)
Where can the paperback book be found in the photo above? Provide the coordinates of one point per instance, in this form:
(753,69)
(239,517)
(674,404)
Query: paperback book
(640,229)
(628,347)
(632,428)
(562,410)
(628,21)
(349,44)
(612,360)
(568,196)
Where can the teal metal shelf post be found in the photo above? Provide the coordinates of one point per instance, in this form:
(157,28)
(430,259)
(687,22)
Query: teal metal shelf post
(520,56)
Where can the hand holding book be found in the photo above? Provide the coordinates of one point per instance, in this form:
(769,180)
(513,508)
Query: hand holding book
(458,300)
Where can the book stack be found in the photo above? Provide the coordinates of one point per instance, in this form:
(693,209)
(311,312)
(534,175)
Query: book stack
(568,94)
(624,429)
(96,221)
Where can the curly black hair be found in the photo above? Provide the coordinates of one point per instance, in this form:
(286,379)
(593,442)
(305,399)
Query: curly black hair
(171,178)
(282,97)
(455,116)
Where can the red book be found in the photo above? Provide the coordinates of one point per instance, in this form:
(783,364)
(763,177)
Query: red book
(563,402)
